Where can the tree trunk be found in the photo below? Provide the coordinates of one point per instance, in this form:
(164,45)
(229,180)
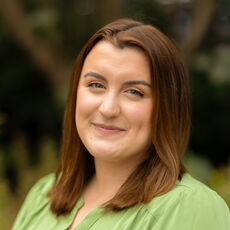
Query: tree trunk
(45,58)
(201,17)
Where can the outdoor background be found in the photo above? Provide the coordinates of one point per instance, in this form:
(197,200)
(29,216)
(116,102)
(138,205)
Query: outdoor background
(39,40)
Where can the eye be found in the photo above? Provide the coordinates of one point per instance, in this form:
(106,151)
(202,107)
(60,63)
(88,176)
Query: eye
(135,92)
(96,85)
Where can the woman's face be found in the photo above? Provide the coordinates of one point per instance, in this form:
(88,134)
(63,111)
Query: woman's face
(114,103)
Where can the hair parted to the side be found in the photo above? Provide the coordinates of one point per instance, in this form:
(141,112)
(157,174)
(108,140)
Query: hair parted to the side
(170,123)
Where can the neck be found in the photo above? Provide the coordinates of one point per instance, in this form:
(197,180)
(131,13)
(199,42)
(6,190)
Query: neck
(109,176)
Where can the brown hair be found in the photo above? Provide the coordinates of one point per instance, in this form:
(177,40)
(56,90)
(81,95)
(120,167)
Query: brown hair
(170,124)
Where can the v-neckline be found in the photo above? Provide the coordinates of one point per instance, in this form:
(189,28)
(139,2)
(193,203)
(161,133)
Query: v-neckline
(89,220)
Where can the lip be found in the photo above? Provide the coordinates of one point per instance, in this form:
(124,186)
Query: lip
(107,129)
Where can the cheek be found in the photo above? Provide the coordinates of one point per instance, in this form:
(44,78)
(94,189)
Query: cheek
(140,114)
(86,103)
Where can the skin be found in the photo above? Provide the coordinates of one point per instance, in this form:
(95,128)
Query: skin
(114,103)
(113,117)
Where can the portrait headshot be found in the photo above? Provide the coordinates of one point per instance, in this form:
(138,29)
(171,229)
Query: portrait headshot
(126,128)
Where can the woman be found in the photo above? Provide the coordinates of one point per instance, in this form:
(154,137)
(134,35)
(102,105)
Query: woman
(126,128)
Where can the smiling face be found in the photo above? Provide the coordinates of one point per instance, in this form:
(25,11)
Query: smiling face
(114,103)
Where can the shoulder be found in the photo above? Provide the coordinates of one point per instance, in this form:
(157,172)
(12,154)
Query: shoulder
(37,195)
(43,185)
(191,203)
(190,190)
(193,189)
(36,200)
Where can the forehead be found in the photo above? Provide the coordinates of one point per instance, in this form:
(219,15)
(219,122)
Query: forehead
(109,59)
(105,47)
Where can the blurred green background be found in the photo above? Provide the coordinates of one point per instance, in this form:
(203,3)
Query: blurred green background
(39,40)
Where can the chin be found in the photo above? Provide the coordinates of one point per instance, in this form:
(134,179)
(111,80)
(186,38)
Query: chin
(106,153)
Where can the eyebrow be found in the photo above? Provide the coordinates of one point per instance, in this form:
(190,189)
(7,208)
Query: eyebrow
(96,75)
(101,77)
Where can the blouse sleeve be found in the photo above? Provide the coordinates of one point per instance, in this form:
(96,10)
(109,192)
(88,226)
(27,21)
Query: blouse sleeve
(196,211)
(35,198)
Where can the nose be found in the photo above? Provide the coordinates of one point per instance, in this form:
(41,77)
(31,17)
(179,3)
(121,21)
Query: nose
(109,106)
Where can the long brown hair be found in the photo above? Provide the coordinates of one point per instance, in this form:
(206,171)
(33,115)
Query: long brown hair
(170,124)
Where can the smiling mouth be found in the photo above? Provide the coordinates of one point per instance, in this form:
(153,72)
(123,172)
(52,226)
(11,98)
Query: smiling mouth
(107,129)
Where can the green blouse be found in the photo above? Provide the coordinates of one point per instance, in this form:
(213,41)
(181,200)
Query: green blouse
(190,205)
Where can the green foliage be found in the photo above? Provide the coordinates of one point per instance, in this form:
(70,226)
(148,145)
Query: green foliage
(10,202)
(220,182)
(210,92)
